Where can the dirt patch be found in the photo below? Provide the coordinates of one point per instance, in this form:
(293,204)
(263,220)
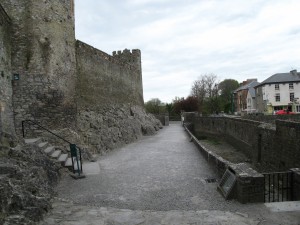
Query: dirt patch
(225,150)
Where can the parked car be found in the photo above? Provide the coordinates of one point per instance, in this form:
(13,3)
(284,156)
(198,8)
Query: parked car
(284,112)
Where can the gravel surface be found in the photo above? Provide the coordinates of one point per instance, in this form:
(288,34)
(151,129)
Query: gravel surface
(164,172)
(161,172)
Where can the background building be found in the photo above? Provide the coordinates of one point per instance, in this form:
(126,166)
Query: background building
(242,101)
(280,91)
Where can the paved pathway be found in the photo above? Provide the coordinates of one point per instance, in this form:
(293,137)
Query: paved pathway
(157,180)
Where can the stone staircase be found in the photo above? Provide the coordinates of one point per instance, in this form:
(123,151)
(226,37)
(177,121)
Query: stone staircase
(63,158)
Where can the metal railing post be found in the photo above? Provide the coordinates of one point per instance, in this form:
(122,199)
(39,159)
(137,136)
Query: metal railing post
(23,129)
(73,148)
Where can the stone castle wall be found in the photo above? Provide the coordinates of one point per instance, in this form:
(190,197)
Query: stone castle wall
(67,84)
(110,98)
(6,115)
(106,79)
(43,57)
(269,147)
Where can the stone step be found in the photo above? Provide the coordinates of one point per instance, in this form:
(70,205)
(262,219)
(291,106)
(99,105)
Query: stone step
(49,150)
(63,158)
(56,154)
(43,145)
(32,140)
(69,163)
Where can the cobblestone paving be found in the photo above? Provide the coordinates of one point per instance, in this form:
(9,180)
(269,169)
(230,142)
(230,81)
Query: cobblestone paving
(157,180)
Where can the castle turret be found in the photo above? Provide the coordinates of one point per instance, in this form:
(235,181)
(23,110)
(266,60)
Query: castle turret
(134,59)
(6,112)
(43,61)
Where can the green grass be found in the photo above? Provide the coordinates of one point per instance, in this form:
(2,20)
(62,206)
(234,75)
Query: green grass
(213,141)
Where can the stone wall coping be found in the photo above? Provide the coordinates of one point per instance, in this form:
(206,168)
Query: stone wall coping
(229,118)
(244,170)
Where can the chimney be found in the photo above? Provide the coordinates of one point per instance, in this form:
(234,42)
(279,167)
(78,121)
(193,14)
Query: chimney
(294,72)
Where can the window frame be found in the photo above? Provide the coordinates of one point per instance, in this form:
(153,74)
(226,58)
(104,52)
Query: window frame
(292,96)
(277,97)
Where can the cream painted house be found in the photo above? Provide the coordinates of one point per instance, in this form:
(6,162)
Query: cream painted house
(280,91)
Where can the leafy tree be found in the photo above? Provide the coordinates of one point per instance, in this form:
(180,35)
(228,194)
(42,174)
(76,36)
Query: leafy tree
(190,104)
(178,105)
(153,106)
(213,101)
(170,108)
(226,88)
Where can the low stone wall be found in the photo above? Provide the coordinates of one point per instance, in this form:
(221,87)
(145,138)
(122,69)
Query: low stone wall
(271,118)
(164,119)
(270,147)
(296,184)
(249,185)
(218,163)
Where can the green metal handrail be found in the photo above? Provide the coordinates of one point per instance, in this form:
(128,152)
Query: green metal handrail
(74,149)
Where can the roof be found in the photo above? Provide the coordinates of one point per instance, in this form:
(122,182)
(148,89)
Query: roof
(247,86)
(293,76)
(251,91)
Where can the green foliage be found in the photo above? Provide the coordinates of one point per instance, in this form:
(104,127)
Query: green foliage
(170,108)
(190,104)
(226,88)
(155,106)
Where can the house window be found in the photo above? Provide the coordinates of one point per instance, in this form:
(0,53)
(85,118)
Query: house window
(276,86)
(292,96)
(297,108)
(291,86)
(277,97)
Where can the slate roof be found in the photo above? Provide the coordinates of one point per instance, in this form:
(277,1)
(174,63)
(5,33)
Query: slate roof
(251,90)
(247,86)
(281,78)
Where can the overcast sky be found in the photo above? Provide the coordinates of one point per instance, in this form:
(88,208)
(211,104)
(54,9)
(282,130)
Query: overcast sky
(183,39)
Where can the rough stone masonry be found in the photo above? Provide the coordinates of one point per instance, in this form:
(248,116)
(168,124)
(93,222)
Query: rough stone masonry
(67,86)
(63,83)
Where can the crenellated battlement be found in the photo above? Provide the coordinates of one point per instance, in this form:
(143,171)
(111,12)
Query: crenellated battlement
(131,57)
(119,75)
(129,60)
(38,45)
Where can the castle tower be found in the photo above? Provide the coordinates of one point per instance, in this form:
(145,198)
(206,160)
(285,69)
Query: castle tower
(43,61)
(6,114)
(133,58)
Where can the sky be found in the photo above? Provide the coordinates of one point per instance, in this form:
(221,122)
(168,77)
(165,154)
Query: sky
(182,40)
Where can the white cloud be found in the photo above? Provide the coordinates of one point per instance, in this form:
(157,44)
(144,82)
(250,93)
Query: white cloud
(181,40)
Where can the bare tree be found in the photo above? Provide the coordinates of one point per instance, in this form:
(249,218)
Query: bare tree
(205,88)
